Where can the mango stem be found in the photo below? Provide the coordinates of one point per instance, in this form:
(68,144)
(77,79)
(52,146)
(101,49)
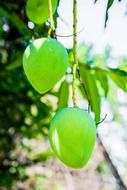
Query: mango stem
(74,51)
(52,25)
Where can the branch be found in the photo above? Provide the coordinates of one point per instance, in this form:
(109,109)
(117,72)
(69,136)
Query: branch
(112,166)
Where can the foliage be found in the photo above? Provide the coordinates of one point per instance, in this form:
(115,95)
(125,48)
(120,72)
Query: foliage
(109,5)
(24,114)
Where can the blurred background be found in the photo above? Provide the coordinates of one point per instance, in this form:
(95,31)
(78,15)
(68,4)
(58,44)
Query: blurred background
(26,159)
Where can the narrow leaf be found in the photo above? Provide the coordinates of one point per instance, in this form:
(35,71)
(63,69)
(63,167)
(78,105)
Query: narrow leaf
(119,77)
(109,4)
(89,80)
(103,79)
(19,24)
(63,95)
(15,63)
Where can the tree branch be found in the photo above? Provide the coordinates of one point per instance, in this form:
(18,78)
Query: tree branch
(121,185)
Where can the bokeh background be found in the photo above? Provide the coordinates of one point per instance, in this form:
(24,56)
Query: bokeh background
(26,159)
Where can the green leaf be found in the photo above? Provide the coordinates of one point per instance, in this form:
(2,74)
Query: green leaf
(89,80)
(103,79)
(63,95)
(16,21)
(16,62)
(109,4)
(41,156)
(119,77)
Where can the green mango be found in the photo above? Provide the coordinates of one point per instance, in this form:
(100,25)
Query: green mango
(38,10)
(72,135)
(45,62)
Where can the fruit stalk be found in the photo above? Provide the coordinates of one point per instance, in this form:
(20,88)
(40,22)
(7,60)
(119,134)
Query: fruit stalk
(52,26)
(74,50)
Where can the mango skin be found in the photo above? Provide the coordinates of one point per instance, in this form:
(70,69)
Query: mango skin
(38,11)
(45,62)
(72,135)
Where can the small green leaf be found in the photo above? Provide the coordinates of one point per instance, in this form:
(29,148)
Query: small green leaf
(109,4)
(16,62)
(63,95)
(42,156)
(119,77)
(89,80)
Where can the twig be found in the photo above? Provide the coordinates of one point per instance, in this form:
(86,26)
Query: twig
(102,120)
(58,35)
(121,185)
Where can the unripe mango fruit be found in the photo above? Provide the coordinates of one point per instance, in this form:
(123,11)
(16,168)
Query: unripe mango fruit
(45,62)
(72,135)
(38,10)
